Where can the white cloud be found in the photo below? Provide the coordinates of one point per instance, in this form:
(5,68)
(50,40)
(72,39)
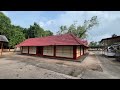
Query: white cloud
(68,17)
(42,24)
(50,22)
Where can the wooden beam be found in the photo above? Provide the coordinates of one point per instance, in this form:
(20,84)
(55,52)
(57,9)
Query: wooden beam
(83,50)
(21,49)
(42,50)
(80,50)
(74,52)
(28,49)
(1,48)
(54,51)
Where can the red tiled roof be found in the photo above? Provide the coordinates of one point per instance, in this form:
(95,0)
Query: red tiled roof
(65,39)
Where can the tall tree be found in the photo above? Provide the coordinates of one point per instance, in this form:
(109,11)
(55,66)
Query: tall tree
(5,24)
(48,33)
(62,30)
(80,30)
(16,36)
(35,31)
(25,31)
(92,44)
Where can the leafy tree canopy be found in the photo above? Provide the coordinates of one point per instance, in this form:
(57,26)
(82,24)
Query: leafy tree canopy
(17,34)
(80,30)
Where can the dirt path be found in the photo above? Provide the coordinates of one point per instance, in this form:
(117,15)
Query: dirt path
(110,69)
(92,63)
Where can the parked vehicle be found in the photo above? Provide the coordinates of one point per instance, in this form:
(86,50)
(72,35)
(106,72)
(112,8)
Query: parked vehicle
(117,54)
(112,50)
(109,51)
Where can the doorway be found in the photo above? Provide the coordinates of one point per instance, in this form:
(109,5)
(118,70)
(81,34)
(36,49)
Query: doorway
(40,50)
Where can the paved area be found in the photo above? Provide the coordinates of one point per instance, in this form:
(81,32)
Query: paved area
(17,70)
(29,67)
(110,67)
(94,66)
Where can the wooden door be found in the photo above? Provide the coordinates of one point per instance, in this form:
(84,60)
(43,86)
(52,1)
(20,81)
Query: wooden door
(40,50)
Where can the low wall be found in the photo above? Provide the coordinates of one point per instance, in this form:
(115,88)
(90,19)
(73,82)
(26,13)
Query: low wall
(7,50)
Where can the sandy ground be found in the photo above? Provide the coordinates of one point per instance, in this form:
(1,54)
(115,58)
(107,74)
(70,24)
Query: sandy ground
(17,70)
(110,68)
(14,66)
(91,62)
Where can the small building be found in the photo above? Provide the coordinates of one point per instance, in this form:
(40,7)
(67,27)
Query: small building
(3,41)
(108,43)
(65,46)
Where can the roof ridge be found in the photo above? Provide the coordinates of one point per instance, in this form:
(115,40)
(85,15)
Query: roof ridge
(45,36)
(37,37)
(48,36)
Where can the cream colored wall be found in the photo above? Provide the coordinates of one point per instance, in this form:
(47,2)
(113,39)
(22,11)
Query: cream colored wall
(48,50)
(64,51)
(25,50)
(78,51)
(81,50)
(32,50)
(85,50)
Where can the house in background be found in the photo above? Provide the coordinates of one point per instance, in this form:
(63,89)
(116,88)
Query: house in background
(65,46)
(108,43)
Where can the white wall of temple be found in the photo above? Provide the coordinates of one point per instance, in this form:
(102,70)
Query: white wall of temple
(61,51)
(64,51)
(48,50)
(81,50)
(78,51)
(25,50)
(32,50)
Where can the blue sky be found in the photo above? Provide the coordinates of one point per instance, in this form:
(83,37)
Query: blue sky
(109,21)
